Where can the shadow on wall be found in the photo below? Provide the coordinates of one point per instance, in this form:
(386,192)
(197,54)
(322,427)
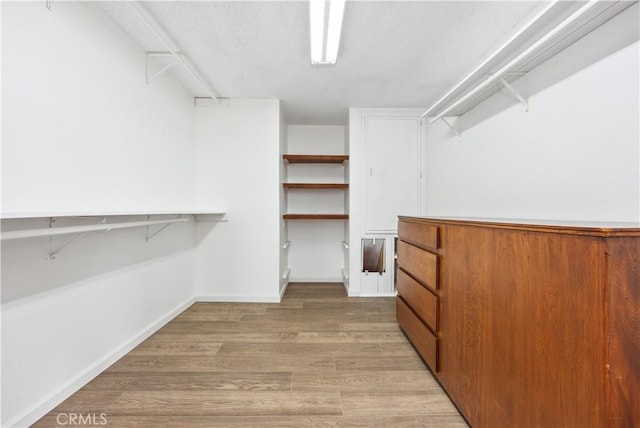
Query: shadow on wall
(27,269)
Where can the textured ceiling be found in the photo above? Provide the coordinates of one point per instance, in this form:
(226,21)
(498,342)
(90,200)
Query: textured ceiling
(392,53)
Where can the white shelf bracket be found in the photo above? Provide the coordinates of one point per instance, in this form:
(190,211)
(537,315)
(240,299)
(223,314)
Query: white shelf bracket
(163,227)
(453,128)
(515,94)
(53,252)
(154,27)
(152,58)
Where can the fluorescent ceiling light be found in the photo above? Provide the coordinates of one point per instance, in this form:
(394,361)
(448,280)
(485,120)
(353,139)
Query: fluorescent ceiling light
(325,22)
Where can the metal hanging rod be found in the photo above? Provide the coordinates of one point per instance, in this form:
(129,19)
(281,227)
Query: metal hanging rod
(490,57)
(53,231)
(511,64)
(151,24)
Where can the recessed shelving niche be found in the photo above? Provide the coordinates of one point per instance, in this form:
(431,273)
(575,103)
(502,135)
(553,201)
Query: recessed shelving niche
(315,159)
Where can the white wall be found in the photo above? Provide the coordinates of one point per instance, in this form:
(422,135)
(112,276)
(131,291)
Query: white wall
(573,156)
(82,132)
(284,228)
(316,253)
(238,168)
(94,135)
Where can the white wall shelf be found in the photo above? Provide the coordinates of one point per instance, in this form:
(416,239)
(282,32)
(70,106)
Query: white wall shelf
(69,214)
(553,29)
(102,225)
(173,51)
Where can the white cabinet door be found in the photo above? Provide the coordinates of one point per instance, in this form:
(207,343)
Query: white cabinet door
(391,146)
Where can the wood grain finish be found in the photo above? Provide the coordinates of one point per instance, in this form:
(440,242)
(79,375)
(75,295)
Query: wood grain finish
(317,359)
(624,332)
(316,216)
(215,403)
(419,234)
(338,159)
(422,265)
(423,301)
(328,186)
(538,327)
(424,341)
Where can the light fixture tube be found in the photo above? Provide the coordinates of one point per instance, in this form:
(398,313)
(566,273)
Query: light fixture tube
(325,18)
(336,13)
(316,25)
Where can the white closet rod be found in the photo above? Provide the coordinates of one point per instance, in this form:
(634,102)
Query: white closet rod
(509,67)
(498,74)
(51,231)
(155,28)
(490,57)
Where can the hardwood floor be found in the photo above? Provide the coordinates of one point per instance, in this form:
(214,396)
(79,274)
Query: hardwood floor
(317,359)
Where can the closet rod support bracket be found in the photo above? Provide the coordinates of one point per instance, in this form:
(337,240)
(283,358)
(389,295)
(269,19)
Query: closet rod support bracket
(514,93)
(453,128)
(53,252)
(150,57)
(163,227)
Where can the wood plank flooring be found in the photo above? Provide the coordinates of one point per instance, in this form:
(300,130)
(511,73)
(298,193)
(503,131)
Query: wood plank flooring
(317,359)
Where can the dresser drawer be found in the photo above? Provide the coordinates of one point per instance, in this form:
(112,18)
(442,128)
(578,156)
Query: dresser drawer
(422,339)
(425,235)
(421,264)
(423,302)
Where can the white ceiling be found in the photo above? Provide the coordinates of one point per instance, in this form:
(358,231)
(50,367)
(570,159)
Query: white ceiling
(392,53)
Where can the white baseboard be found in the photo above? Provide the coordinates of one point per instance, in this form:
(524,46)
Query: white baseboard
(284,283)
(307,279)
(283,289)
(378,295)
(239,299)
(44,406)
(345,284)
(345,280)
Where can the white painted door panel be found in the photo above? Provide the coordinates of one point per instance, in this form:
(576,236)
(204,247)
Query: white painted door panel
(392,165)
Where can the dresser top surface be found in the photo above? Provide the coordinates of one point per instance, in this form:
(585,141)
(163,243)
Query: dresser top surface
(593,228)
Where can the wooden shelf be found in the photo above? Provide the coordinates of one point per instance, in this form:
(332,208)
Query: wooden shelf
(316,216)
(339,186)
(316,159)
(337,159)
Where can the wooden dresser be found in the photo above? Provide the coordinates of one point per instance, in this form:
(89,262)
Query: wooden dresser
(526,325)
